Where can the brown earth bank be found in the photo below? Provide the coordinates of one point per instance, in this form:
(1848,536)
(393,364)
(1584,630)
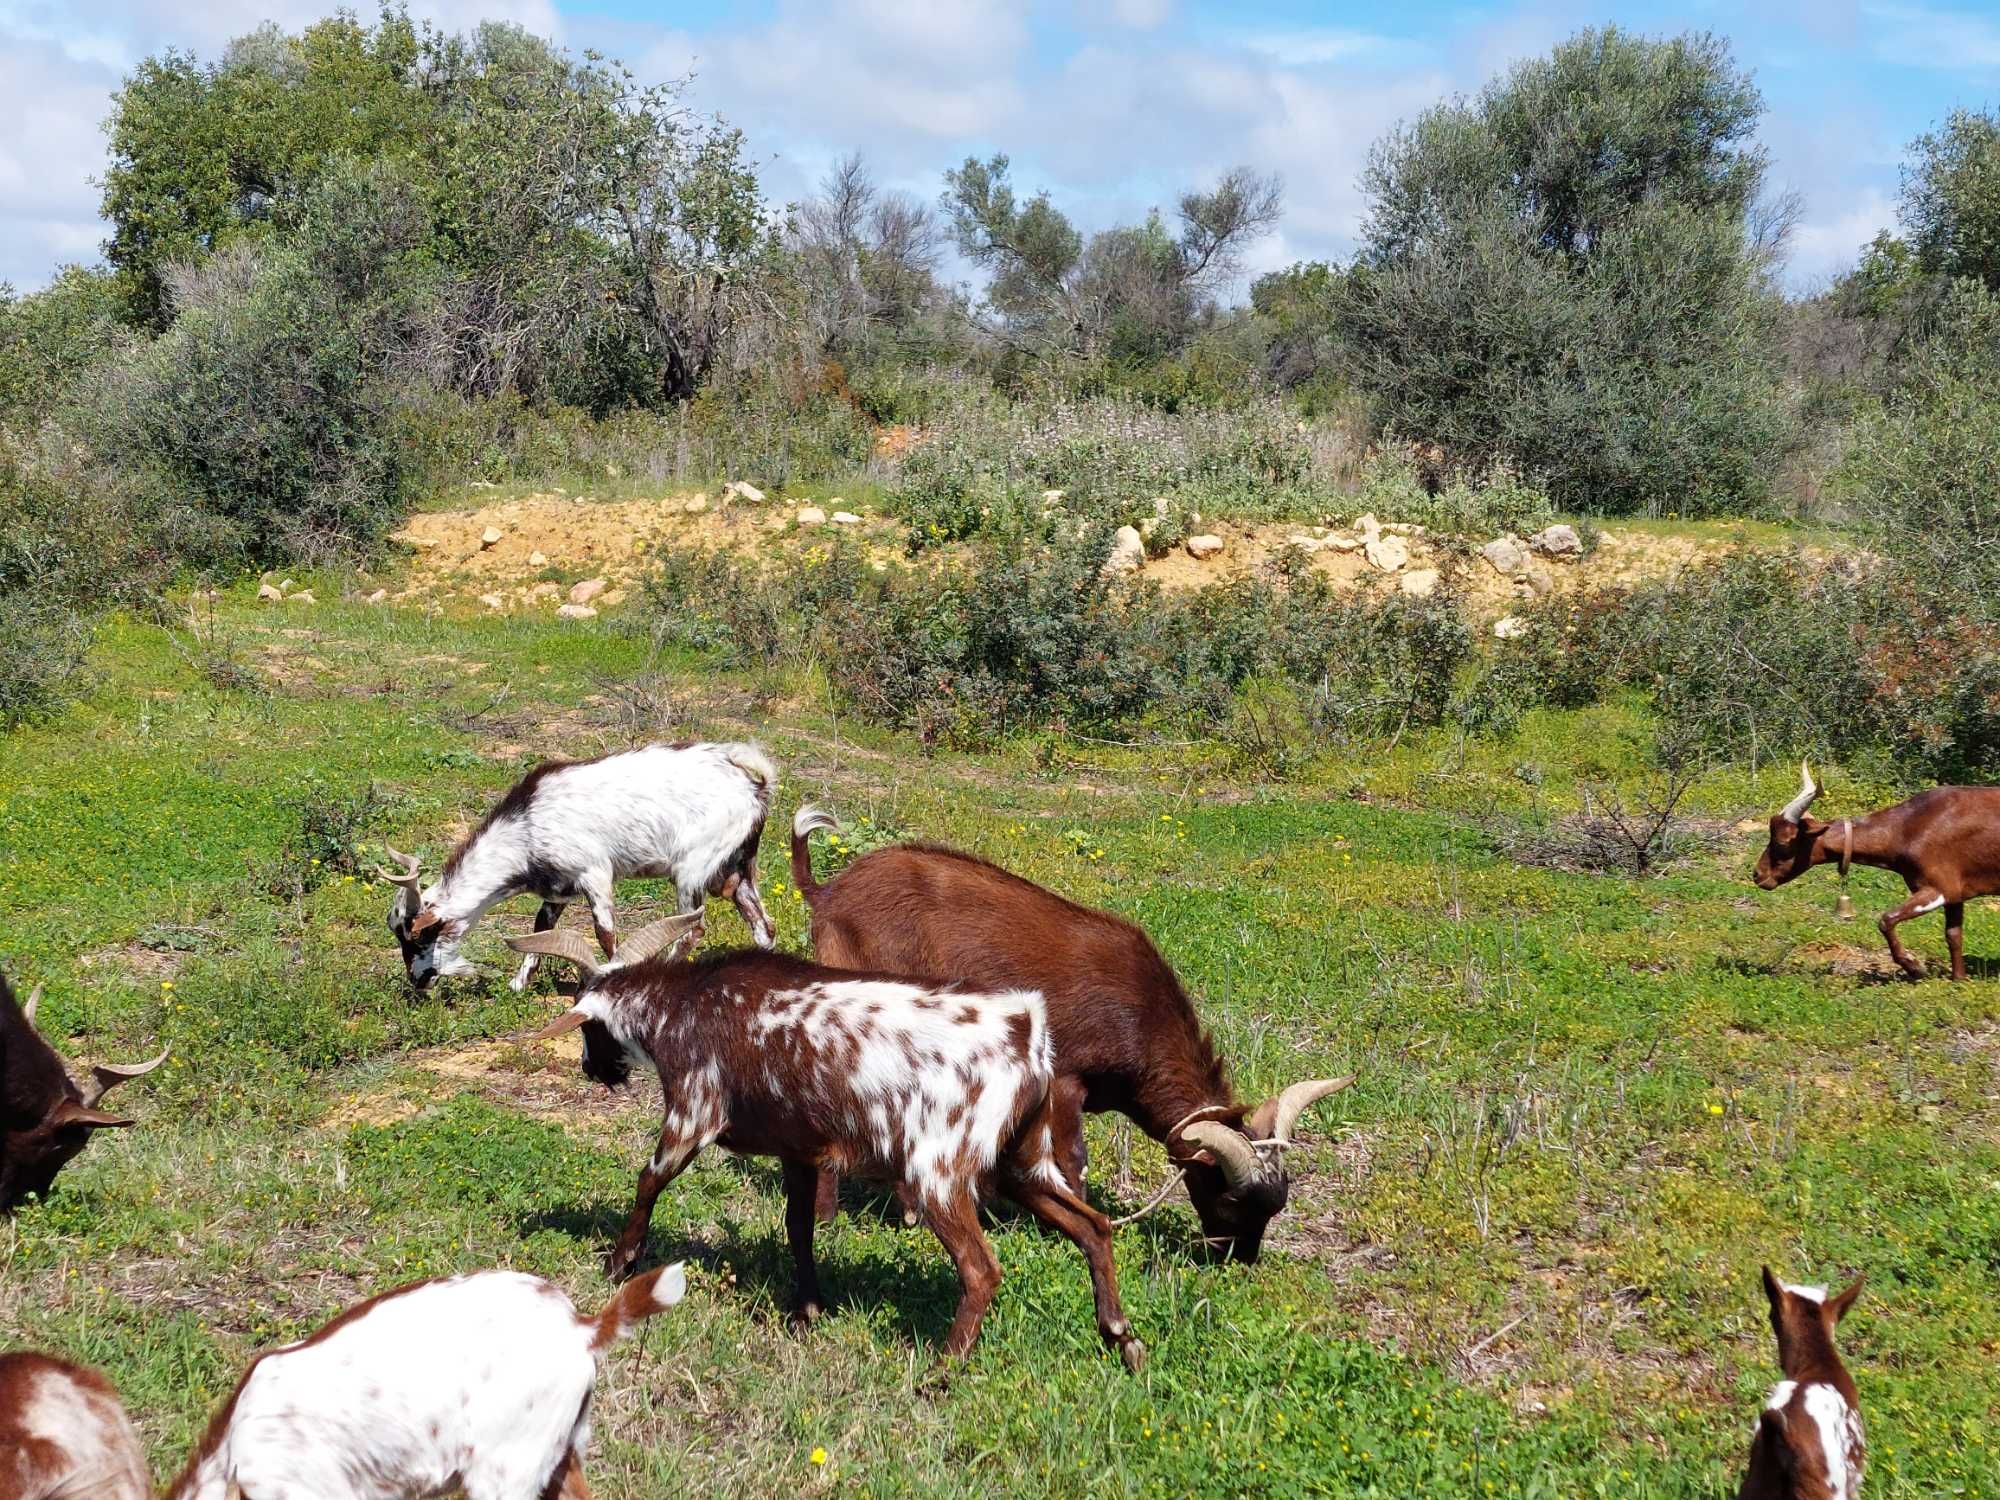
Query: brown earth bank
(530,552)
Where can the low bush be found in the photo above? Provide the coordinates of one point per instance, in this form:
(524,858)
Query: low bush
(1024,631)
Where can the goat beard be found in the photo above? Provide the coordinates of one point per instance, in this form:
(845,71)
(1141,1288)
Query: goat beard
(603,1059)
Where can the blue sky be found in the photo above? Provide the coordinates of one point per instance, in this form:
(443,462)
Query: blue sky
(1113,105)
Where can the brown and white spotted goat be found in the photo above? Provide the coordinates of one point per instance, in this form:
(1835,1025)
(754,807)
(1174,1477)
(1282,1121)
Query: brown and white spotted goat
(1945,843)
(1808,1444)
(45,1119)
(940,1088)
(64,1434)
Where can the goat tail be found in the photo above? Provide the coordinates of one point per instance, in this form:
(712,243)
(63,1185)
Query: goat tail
(753,762)
(804,822)
(636,1301)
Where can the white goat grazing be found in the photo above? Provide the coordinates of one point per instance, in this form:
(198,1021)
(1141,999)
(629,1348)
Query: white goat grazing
(64,1434)
(692,814)
(479,1384)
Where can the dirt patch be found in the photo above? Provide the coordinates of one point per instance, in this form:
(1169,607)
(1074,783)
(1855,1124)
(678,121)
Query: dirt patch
(547,542)
(1847,960)
(538,1079)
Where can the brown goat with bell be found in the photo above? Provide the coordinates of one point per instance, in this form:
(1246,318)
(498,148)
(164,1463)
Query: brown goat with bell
(1126,1035)
(1945,843)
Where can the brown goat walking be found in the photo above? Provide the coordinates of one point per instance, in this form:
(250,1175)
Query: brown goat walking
(1945,843)
(1125,1034)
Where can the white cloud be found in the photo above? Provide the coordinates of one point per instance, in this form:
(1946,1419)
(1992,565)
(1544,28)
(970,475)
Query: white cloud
(1918,37)
(1823,247)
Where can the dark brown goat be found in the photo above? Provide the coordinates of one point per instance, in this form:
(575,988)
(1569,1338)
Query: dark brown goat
(45,1119)
(1808,1443)
(1126,1036)
(1945,843)
(941,1088)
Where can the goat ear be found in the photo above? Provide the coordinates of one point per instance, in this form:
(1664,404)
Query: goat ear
(1838,1304)
(1774,1293)
(424,921)
(28,1006)
(69,1112)
(568,1021)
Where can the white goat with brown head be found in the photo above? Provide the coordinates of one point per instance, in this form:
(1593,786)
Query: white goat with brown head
(692,814)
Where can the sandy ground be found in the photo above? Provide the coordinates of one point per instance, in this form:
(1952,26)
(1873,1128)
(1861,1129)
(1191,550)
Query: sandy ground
(528,553)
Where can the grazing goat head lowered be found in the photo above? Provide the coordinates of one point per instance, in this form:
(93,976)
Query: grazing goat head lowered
(1126,1035)
(938,1087)
(692,814)
(64,1433)
(1945,843)
(1808,1443)
(477,1385)
(45,1119)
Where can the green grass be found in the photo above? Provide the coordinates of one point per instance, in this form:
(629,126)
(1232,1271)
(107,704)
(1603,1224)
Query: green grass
(1521,1255)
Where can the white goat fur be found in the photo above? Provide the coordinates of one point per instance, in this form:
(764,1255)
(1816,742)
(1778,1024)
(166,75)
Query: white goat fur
(64,1435)
(480,1382)
(884,1068)
(680,813)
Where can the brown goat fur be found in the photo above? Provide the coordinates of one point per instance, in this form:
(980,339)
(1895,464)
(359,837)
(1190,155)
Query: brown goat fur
(45,1119)
(1945,843)
(1126,1035)
(64,1434)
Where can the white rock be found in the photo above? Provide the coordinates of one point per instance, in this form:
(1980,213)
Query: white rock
(1419,583)
(811,515)
(1367,525)
(1389,553)
(587,590)
(1052,497)
(536,560)
(489,536)
(1205,545)
(742,489)
(576,612)
(269,593)
(492,601)
(1534,580)
(1506,555)
(1559,540)
(1340,541)
(544,590)
(696,504)
(845,518)
(378,597)
(1162,505)
(1304,543)
(1511,627)
(1128,551)
(303,596)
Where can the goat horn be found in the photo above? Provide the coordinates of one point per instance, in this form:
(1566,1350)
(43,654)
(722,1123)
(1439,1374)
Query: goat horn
(411,874)
(559,944)
(1275,1117)
(1230,1148)
(110,1075)
(28,1006)
(1808,789)
(654,936)
(569,1020)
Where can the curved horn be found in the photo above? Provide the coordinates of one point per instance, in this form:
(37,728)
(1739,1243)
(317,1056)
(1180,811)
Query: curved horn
(28,1006)
(110,1075)
(1808,789)
(1230,1148)
(569,1020)
(1275,1117)
(559,944)
(409,877)
(654,936)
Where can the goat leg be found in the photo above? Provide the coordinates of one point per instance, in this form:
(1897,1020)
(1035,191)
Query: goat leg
(1038,1188)
(1954,936)
(801,1195)
(827,1198)
(1921,901)
(674,1155)
(546,916)
(956,1224)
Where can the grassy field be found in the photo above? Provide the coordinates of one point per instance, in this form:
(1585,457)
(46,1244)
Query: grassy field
(1521,1258)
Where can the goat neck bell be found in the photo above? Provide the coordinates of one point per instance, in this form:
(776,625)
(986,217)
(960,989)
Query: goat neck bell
(1843,907)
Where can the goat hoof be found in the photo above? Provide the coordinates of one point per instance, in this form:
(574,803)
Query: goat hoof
(1134,1354)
